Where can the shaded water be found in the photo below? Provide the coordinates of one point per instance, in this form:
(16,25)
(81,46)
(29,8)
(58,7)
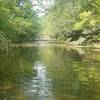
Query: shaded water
(50,72)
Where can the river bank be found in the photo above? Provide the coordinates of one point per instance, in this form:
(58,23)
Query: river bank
(60,43)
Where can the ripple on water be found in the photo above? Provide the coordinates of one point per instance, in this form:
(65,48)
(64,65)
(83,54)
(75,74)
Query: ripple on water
(41,85)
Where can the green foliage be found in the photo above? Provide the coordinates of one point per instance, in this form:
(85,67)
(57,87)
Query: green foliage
(84,20)
(3,42)
(18,22)
(66,17)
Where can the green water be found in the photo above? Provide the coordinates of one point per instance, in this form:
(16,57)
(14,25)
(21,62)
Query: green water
(50,72)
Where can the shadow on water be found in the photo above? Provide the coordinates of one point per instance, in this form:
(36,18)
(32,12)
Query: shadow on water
(50,73)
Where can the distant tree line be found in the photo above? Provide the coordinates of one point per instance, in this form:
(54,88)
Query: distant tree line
(74,20)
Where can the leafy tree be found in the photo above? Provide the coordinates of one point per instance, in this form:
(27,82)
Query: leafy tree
(18,21)
(70,19)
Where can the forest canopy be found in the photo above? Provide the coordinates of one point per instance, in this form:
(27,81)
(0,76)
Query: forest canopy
(18,21)
(74,20)
(67,20)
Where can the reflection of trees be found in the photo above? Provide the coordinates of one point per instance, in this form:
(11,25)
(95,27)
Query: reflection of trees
(15,70)
(93,55)
(74,76)
(87,76)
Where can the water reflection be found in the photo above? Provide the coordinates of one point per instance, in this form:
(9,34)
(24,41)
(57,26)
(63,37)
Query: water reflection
(50,73)
(41,84)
